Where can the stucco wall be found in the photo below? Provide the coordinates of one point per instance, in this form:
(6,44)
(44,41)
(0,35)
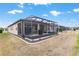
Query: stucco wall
(13,29)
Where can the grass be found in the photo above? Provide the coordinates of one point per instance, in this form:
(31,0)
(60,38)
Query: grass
(5,43)
(3,34)
(76,46)
(10,45)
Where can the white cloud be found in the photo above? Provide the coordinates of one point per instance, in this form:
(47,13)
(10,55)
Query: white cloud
(36,2)
(21,5)
(55,13)
(15,11)
(44,2)
(45,15)
(76,10)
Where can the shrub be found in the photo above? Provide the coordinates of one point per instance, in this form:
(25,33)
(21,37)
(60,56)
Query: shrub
(1,30)
(60,30)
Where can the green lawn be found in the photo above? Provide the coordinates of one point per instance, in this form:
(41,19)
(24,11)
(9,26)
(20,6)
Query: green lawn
(4,35)
(77,46)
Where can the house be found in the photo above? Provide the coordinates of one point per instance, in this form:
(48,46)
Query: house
(33,27)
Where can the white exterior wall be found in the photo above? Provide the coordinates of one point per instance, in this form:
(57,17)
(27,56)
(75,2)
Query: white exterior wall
(13,29)
(55,28)
(51,29)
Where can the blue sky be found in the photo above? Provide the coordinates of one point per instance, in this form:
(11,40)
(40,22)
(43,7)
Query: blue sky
(66,14)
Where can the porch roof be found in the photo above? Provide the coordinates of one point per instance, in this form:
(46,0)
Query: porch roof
(38,19)
(33,18)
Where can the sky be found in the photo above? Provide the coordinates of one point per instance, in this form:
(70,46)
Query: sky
(65,14)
